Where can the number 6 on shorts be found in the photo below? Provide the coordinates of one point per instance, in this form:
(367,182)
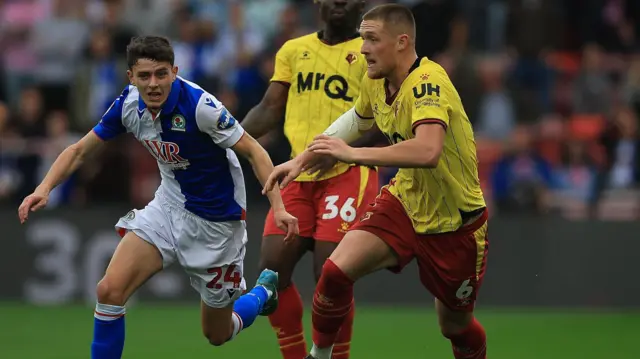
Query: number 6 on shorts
(465,290)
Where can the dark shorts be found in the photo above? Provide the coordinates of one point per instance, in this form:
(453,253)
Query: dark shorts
(451,265)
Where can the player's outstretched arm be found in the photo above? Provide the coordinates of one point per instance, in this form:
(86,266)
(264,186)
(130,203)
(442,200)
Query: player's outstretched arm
(250,149)
(66,164)
(423,151)
(320,165)
(263,117)
(349,126)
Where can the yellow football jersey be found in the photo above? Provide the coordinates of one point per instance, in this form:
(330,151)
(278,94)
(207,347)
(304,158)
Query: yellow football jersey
(324,81)
(435,198)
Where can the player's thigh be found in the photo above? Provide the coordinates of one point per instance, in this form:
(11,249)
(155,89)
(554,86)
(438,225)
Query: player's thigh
(212,254)
(282,257)
(452,268)
(341,200)
(217,324)
(143,251)
(361,252)
(382,238)
(132,264)
(298,199)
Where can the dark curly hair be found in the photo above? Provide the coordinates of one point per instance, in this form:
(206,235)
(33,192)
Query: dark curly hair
(155,48)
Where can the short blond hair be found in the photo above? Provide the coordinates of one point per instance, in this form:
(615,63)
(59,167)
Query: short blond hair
(398,17)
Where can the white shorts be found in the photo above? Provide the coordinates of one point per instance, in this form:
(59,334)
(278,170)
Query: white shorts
(212,253)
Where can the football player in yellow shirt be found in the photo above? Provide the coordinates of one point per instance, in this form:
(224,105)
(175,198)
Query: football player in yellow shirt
(433,210)
(317,77)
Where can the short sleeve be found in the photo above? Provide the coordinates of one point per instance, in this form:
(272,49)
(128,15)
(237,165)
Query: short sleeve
(110,125)
(430,100)
(283,70)
(363,102)
(216,121)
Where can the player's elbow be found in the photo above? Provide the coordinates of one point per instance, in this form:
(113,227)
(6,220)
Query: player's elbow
(76,151)
(271,110)
(429,158)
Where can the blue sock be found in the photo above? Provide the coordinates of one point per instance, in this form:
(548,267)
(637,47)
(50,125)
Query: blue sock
(108,332)
(249,305)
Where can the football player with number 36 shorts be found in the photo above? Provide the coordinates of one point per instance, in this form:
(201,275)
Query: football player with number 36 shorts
(317,77)
(432,211)
(197,217)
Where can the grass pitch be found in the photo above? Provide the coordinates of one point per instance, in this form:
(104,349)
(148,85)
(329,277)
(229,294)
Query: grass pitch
(168,332)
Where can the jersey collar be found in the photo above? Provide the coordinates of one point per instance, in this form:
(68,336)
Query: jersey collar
(389,98)
(171,102)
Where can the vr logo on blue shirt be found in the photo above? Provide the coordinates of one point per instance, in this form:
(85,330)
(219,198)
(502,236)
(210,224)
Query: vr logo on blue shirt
(225,120)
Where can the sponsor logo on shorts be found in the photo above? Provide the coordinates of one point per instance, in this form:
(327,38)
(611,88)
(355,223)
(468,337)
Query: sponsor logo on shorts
(129,216)
(231,292)
(366,216)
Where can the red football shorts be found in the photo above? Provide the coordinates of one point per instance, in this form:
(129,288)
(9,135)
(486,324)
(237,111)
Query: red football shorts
(326,209)
(451,265)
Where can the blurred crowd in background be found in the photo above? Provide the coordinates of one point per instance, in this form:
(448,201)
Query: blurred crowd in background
(552,88)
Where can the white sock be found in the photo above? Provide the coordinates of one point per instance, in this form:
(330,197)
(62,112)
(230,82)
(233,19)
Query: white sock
(269,293)
(107,313)
(321,353)
(237,325)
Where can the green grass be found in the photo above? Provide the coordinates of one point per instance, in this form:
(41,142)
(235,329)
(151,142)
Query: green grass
(164,332)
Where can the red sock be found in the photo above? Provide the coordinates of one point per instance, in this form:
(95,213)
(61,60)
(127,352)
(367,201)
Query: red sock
(471,343)
(332,303)
(342,347)
(287,322)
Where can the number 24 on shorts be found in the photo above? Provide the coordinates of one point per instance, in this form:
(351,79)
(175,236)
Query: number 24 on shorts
(347,212)
(230,276)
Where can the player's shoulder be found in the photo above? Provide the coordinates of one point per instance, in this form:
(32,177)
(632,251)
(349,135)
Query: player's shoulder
(429,71)
(204,107)
(127,104)
(428,78)
(293,45)
(300,41)
(194,97)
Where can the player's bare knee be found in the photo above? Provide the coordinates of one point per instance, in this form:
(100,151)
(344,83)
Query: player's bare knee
(216,338)
(331,271)
(108,292)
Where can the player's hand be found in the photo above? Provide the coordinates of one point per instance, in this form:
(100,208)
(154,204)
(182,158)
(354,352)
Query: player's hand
(320,165)
(287,223)
(334,147)
(283,173)
(33,202)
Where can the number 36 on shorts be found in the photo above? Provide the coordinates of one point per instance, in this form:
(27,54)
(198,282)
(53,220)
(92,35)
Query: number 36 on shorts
(347,211)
